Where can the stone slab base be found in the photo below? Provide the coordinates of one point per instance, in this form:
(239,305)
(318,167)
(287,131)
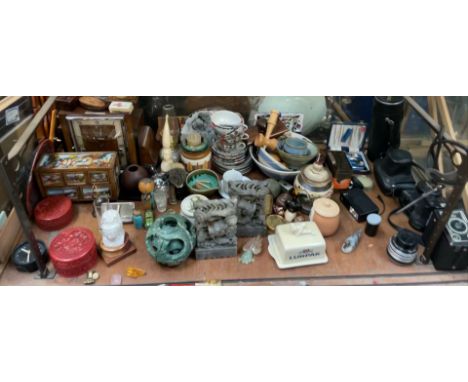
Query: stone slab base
(251,231)
(215,252)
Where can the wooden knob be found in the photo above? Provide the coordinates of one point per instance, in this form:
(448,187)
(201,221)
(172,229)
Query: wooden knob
(259,139)
(262,141)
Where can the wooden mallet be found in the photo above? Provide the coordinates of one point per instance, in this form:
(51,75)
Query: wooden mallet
(264,140)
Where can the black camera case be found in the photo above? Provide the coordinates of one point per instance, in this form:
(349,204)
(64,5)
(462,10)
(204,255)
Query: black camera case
(393,172)
(358,204)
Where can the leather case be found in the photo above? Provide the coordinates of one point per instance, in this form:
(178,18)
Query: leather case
(393,172)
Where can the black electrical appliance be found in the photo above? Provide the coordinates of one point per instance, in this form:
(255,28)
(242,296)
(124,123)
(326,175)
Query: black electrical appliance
(384,133)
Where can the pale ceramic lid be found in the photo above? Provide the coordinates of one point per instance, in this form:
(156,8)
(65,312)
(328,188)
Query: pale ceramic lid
(316,173)
(326,207)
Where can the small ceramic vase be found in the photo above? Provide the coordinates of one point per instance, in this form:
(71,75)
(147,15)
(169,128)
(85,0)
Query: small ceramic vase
(326,214)
(132,176)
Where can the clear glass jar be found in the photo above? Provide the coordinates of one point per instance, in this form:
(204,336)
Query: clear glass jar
(160,198)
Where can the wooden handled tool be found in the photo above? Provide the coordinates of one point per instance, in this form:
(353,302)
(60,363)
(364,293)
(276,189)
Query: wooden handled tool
(53,124)
(264,140)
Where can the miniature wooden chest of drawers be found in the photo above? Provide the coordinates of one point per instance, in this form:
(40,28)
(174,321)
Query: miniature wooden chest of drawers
(79,175)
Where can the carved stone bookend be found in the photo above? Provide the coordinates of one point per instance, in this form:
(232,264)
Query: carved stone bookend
(216,227)
(250,198)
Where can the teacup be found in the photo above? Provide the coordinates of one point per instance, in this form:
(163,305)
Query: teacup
(225,121)
(295,146)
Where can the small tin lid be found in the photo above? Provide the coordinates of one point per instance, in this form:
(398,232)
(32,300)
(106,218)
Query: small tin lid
(317,174)
(326,207)
(52,208)
(374,219)
(71,244)
(390,100)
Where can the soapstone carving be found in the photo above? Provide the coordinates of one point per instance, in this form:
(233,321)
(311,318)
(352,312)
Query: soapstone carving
(216,227)
(113,234)
(250,198)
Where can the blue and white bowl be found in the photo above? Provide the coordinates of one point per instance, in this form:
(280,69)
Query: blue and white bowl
(268,160)
(286,175)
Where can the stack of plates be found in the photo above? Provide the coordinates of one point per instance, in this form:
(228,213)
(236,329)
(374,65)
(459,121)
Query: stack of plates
(237,160)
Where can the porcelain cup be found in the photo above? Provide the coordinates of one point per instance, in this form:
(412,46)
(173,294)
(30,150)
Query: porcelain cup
(225,122)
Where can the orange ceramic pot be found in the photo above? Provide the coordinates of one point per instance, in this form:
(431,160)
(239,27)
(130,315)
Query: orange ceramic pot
(326,214)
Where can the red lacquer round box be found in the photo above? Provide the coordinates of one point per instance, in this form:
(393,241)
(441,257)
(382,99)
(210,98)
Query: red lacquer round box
(53,213)
(73,251)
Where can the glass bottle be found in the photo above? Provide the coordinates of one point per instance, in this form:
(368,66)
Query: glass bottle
(138,219)
(161,191)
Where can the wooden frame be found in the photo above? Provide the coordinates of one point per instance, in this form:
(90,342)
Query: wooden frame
(130,128)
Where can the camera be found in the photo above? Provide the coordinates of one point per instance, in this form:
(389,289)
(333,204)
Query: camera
(451,251)
(419,213)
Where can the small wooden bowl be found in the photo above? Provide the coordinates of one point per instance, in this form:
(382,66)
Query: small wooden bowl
(93,103)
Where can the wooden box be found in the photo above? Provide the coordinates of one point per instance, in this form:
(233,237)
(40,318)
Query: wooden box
(102,131)
(78,175)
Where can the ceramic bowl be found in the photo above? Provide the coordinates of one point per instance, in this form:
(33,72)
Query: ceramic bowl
(226,118)
(287,176)
(225,122)
(295,161)
(268,160)
(310,145)
(290,144)
(295,146)
(204,182)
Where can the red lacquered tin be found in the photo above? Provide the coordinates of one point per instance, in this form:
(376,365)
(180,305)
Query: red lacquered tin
(73,251)
(53,213)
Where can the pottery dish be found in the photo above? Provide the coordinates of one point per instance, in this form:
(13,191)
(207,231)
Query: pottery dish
(269,160)
(287,176)
(205,182)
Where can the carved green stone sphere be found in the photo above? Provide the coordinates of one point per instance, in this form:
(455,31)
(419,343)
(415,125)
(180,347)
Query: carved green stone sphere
(171,239)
